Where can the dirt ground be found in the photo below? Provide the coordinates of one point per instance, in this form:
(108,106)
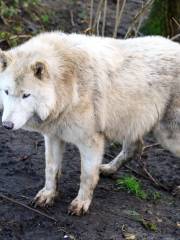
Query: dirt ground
(112,209)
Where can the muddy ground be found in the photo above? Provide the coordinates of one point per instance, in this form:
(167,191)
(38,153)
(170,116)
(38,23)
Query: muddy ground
(112,209)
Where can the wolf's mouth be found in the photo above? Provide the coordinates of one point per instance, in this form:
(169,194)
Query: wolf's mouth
(35,119)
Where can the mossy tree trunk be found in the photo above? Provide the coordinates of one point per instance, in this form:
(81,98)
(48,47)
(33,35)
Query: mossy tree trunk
(164,18)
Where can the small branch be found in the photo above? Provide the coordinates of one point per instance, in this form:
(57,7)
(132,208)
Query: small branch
(72,18)
(149,175)
(4,20)
(177,23)
(145,176)
(25,157)
(97,14)
(91,14)
(143,164)
(150,146)
(119,12)
(97,26)
(175,37)
(138,27)
(104,17)
(26,206)
(138,16)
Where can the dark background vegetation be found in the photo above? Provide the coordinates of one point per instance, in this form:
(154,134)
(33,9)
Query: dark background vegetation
(140,201)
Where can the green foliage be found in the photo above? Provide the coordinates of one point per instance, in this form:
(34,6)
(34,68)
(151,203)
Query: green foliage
(149,224)
(154,196)
(45,18)
(133,185)
(13,7)
(156,23)
(8,10)
(15,14)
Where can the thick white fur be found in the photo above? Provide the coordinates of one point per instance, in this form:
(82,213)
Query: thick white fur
(92,88)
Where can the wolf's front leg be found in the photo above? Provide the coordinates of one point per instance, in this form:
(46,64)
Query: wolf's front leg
(91,158)
(54,149)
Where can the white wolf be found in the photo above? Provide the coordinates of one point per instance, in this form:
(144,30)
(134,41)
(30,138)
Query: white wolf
(83,90)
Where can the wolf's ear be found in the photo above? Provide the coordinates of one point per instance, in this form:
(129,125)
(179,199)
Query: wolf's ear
(3,60)
(40,70)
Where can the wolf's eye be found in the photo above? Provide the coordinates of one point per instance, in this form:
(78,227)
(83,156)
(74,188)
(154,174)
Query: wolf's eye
(6,92)
(25,95)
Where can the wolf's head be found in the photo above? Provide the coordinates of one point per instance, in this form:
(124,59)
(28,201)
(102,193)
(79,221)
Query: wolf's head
(37,78)
(25,88)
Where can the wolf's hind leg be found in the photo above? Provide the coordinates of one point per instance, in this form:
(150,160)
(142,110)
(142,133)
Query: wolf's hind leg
(168,135)
(127,152)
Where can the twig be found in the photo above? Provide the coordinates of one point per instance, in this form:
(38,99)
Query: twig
(177,23)
(104,17)
(24,36)
(137,17)
(175,37)
(91,14)
(20,36)
(148,174)
(97,14)
(27,207)
(160,185)
(25,157)
(134,171)
(4,20)
(138,27)
(72,18)
(144,168)
(119,12)
(109,155)
(150,146)
(97,26)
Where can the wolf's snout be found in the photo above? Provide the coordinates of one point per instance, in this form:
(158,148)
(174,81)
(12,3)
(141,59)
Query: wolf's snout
(8,125)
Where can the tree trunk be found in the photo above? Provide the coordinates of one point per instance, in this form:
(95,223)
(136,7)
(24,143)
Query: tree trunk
(164,19)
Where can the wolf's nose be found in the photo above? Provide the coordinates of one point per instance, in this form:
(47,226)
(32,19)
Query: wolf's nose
(8,125)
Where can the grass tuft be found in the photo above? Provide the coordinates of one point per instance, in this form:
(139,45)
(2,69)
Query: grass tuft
(133,185)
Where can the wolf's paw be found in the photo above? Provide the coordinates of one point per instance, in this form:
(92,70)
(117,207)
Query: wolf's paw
(107,169)
(44,198)
(79,207)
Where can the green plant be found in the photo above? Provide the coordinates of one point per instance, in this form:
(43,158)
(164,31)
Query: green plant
(45,18)
(8,10)
(154,195)
(14,28)
(133,185)
(149,224)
